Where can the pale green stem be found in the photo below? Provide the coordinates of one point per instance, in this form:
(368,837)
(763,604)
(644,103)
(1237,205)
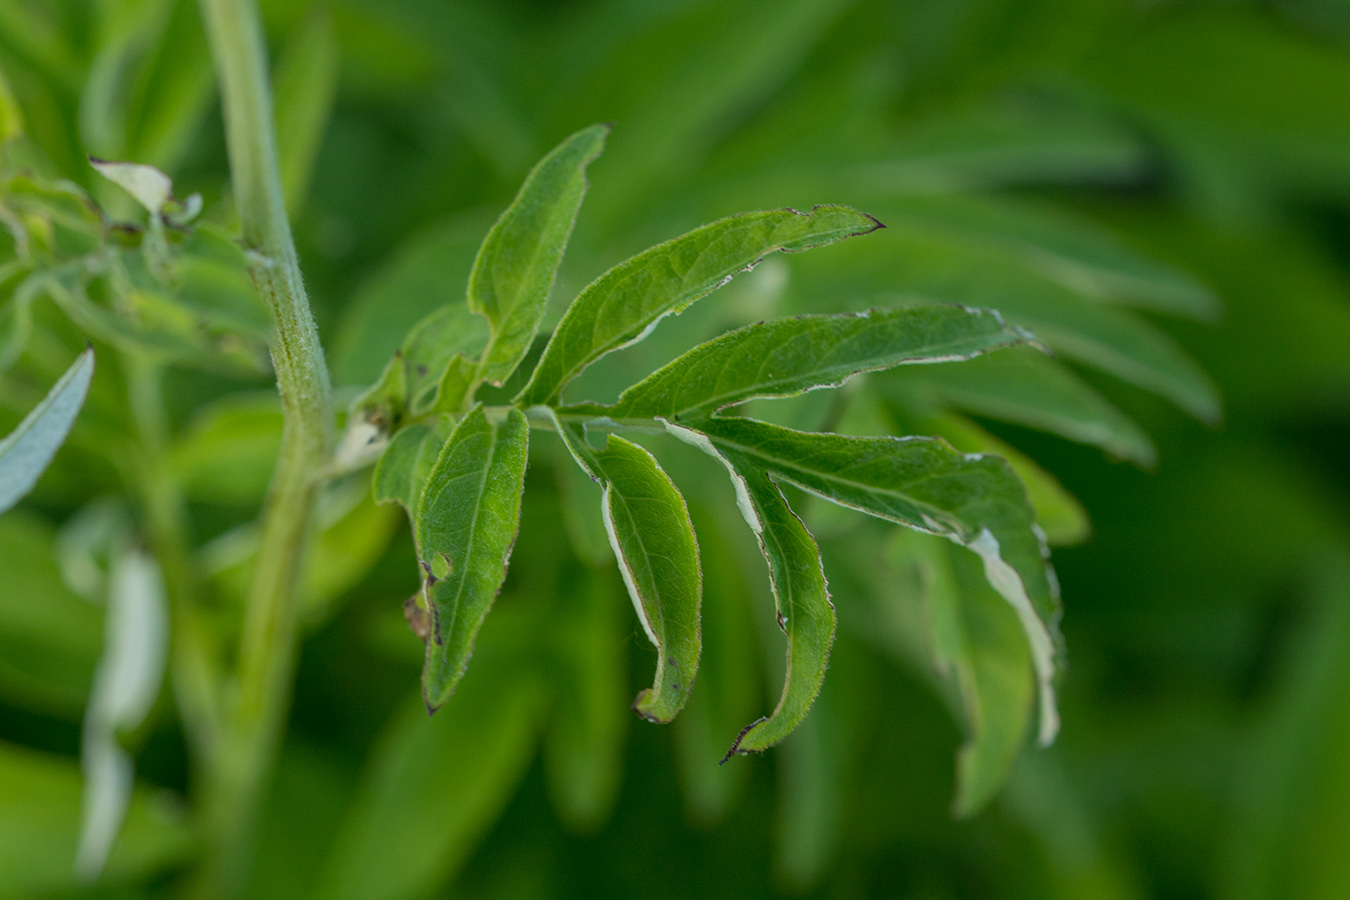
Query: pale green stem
(268,643)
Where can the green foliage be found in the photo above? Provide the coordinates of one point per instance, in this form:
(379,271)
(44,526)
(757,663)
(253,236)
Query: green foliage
(789,357)
(1114,232)
(26,451)
(620,307)
(468,511)
(647,522)
(514,271)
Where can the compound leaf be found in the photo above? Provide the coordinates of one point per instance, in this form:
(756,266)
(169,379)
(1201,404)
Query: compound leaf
(516,265)
(465,526)
(26,451)
(790,356)
(622,305)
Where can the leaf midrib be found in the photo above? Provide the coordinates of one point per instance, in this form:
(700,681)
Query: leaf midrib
(471,543)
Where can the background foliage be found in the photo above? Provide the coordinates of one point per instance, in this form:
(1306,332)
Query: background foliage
(1127,179)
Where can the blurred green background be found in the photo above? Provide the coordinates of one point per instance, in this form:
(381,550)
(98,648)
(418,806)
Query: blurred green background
(1160,190)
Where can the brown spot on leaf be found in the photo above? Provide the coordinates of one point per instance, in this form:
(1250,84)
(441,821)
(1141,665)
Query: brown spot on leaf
(416,615)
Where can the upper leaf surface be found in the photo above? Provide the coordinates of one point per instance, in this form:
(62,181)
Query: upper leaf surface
(620,306)
(648,526)
(924,484)
(797,579)
(516,265)
(787,357)
(407,461)
(26,451)
(467,520)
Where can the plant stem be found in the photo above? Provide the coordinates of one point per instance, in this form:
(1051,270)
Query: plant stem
(268,642)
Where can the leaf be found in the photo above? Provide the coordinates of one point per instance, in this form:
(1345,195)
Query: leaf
(306,86)
(519,259)
(405,464)
(790,356)
(435,784)
(1001,708)
(49,636)
(1028,389)
(648,525)
(126,685)
(227,452)
(800,593)
(622,305)
(588,640)
(727,694)
(922,483)
(150,187)
(26,451)
(1059,514)
(467,520)
(908,264)
(1074,252)
(1062,517)
(455,387)
(40,821)
(432,352)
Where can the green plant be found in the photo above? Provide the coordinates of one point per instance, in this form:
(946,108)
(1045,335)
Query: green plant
(195,306)
(458,467)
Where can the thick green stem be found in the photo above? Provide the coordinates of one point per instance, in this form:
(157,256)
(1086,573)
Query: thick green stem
(267,646)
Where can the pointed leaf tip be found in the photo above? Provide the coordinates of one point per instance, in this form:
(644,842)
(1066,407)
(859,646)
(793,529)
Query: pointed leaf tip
(514,271)
(622,306)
